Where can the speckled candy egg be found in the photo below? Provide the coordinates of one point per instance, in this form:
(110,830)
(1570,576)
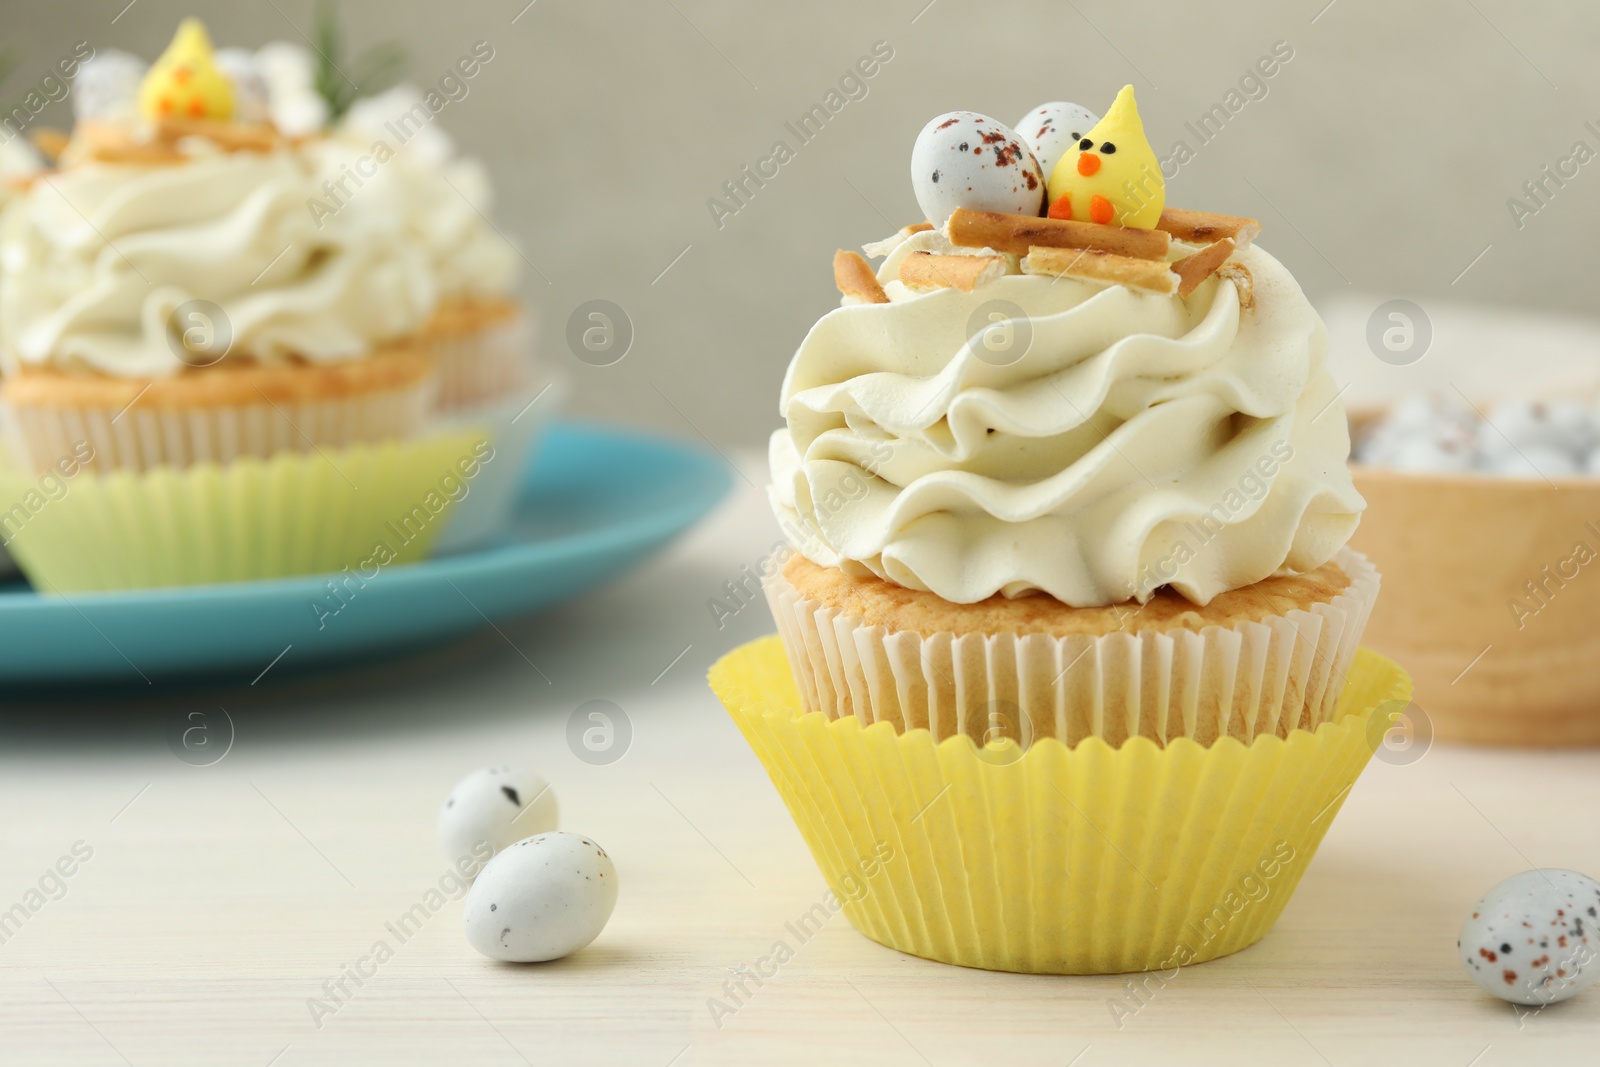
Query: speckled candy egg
(1532,938)
(252,99)
(542,898)
(1534,461)
(495,805)
(1051,129)
(107,86)
(963,159)
(1522,424)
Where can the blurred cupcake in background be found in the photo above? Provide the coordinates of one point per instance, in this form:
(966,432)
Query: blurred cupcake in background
(479,333)
(20,165)
(168,297)
(478,330)
(175,317)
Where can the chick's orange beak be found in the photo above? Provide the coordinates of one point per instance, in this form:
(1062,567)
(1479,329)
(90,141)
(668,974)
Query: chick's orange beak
(1088,164)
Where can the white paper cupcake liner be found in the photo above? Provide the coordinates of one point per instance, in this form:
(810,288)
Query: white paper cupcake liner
(142,438)
(1242,681)
(485,364)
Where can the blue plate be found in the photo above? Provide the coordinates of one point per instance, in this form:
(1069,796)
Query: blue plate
(596,502)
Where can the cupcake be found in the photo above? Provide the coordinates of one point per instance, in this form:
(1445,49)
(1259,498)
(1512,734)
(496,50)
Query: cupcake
(19,166)
(479,332)
(1069,624)
(173,258)
(211,361)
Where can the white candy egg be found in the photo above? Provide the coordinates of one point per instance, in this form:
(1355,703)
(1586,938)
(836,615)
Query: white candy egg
(290,74)
(1573,426)
(1534,461)
(495,805)
(1426,454)
(1051,129)
(252,100)
(107,86)
(542,898)
(963,159)
(1516,424)
(1520,438)
(1532,938)
(1427,411)
(1424,432)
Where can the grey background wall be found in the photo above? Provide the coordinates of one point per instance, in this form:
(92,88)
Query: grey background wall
(1380,158)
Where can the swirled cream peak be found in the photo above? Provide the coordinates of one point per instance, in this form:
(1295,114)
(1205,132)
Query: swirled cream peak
(1095,444)
(447,199)
(95,260)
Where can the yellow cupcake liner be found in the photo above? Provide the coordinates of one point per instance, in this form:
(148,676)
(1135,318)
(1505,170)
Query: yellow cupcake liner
(295,513)
(1049,859)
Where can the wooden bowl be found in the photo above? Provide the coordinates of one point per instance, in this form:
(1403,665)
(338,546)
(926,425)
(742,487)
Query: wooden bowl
(1491,600)
(1458,551)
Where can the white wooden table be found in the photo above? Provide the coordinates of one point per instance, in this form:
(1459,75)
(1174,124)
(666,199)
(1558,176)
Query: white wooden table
(218,900)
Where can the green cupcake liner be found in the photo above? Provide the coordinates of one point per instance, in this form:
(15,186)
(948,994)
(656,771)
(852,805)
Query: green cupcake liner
(251,519)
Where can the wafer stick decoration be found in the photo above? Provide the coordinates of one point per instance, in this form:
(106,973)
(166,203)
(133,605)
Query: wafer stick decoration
(229,136)
(112,144)
(1146,274)
(49,141)
(853,275)
(924,270)
(1019,233)
(1202,227)
(108,143)
(1192,270)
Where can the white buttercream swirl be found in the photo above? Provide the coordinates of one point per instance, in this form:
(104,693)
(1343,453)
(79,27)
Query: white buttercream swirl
(446,198)
(94,259)
(1141,441)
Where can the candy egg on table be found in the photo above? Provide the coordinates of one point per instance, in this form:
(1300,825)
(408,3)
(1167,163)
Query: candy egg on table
(495,805)
(540,899)
(964,159)
(1051,129)
(1532,938)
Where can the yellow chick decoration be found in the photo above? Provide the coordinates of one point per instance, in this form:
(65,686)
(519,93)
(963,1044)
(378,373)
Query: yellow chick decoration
(185,81)
(1114,177)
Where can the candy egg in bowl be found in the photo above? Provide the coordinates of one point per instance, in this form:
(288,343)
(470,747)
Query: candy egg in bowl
(1476,443)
